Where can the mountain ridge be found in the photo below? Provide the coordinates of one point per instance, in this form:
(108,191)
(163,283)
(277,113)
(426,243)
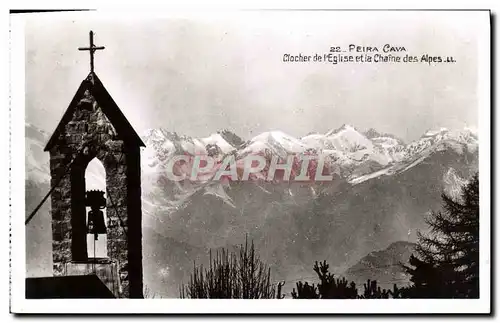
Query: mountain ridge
(346,146)
(293,224)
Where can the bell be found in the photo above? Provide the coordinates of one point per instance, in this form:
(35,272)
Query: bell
(96,201)
(96,223)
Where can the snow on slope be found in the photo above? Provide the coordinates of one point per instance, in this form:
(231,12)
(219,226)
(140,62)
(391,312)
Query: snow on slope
(350,147)
(276,142)
(347,138)
(357,146)
(216,139)
(363,178)
(417,151)
(453,183)
(162,145)
(442,139)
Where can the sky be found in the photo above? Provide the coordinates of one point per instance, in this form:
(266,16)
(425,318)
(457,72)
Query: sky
(197,74)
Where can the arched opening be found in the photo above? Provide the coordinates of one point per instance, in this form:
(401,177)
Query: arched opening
(95,179)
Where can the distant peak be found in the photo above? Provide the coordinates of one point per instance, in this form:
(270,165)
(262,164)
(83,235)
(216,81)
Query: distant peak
(344,127)
(160,134)
(471,130)
(372,133)
(430,133)
(152,132)
(224,131)
(268,136)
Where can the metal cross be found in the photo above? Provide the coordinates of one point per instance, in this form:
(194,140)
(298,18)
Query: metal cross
(92,48)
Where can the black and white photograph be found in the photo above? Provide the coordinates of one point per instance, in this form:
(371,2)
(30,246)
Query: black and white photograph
(275,155)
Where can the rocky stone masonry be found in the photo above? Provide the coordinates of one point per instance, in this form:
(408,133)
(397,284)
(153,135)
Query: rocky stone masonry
(90,134)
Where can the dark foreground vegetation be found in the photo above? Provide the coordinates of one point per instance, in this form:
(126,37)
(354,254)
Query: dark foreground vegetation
(232,275)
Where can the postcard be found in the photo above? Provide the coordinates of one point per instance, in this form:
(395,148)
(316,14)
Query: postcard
(250,161)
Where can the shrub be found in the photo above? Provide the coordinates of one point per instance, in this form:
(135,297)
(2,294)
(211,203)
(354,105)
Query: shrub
(232,275)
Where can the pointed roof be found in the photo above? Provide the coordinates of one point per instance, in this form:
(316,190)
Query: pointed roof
(108,107)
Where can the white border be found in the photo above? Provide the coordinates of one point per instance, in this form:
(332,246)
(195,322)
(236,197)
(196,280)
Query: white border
(17,85)
(21,305)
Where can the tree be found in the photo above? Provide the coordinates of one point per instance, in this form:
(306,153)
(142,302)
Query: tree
(328,287)
(232,275)
(448,257)
(305,291)
(374,291)
(427,280)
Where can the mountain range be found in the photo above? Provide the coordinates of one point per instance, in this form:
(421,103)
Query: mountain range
(382,190)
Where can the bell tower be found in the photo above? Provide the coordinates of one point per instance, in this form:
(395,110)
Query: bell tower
(94,127)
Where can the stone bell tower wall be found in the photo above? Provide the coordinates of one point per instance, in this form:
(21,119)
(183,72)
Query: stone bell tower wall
(86,135)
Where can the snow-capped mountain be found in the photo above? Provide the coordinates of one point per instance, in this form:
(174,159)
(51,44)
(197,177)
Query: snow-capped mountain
(443,138)
(161,145)
(433,141)
(275,143)
(360,156)
(216,139)
(355,152)
(391,152)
